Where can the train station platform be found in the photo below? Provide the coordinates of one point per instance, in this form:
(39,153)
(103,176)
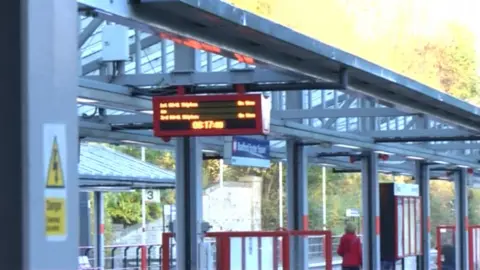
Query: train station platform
(192,77)
(125,257)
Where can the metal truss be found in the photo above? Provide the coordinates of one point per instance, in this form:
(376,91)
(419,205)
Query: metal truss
(336,113)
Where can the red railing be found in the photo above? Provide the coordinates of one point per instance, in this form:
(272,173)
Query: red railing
(280,247)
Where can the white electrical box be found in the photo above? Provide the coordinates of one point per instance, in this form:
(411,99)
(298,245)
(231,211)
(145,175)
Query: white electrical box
(115,43)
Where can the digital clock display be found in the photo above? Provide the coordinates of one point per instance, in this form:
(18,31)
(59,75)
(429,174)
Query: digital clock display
(209,115)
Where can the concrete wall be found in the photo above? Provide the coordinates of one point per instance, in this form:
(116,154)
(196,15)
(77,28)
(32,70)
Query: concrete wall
(133,235)
(234,207)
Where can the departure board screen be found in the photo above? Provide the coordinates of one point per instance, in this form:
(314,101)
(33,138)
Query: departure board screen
(209,115)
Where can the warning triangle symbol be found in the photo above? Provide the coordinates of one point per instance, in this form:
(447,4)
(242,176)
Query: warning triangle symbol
(55,173)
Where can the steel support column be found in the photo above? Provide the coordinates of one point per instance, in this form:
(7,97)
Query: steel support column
(188,202)
(297,199)
(84,236)
(99,230)
(188,188)
(39,79)
(422,177)
(461,211)
(371,211)
(297,203)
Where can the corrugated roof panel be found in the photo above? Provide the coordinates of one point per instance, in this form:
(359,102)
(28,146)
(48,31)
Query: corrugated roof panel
(98,160)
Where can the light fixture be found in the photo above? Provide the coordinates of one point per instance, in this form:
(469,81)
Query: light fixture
(463,166)
(135,142)
(326,165)
(209,151)
(147,111)
(414,157)
(384,171)
(383,153)
(347,146)
(441,162)
(86,100)
(406,174)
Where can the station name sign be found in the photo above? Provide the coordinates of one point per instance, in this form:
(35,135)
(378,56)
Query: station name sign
(210,115)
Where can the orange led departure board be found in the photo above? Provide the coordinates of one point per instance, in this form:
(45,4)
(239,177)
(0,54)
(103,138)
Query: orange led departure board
(209,115)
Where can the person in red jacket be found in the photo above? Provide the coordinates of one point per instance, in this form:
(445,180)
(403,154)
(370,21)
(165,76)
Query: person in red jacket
(350,249)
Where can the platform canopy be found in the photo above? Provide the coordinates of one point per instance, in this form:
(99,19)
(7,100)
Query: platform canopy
(104,168)
(348,103)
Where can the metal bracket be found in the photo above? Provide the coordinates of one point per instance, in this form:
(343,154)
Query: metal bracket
(211,157)
(346,171)
(337,154)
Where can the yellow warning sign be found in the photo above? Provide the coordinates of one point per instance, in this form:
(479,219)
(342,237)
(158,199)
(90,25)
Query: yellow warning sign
(55,216)
(55,173)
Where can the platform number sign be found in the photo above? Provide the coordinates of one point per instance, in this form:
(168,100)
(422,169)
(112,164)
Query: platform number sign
(152,196)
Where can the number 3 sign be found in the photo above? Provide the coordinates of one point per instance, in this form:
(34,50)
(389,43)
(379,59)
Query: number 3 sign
(152,196)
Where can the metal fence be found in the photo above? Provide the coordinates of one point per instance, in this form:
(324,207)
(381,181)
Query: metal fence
(128,257)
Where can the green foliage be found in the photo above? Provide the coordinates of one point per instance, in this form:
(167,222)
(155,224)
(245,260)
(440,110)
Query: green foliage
(125,207)
(407,36)
(473,203)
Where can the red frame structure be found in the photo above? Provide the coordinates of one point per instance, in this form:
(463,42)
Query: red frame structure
(473,244)
(208,132)
(223,246)
(414,235)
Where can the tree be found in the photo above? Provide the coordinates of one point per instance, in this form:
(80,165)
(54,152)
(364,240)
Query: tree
(125,207)
(442,210)
(406,36)
(473,209)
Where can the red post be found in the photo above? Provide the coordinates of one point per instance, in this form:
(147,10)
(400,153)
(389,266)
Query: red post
(166,251)
(143,262)
(219,248)
(286,252)
(324,240)
(470,248)
(226,253)
(328,250)
(223,251)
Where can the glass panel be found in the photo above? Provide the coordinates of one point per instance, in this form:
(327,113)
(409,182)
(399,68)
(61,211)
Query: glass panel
(399,227)
(419,226)
(412,225)
(253,253)
(406,227)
